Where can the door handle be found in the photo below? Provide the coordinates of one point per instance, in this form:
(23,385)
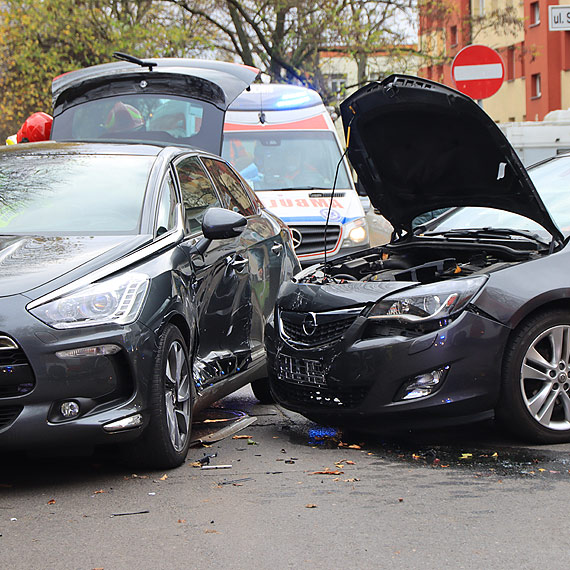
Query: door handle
(277,248)
(239,263)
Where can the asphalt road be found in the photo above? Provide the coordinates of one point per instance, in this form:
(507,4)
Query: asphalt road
(465,497)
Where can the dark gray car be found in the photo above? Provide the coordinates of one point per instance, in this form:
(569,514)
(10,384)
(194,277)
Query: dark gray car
(460,318)
(135,284)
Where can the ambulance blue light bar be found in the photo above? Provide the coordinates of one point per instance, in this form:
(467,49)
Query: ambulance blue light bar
(275,97)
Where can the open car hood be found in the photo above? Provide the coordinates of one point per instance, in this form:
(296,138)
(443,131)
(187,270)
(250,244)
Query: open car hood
(419,146)
(216,83)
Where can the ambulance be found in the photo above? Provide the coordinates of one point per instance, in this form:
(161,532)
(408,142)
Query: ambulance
(283,142)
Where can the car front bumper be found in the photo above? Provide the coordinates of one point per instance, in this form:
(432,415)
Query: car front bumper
(358,378)
(34,381)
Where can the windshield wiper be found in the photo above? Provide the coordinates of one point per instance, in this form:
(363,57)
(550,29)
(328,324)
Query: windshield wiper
(489,233)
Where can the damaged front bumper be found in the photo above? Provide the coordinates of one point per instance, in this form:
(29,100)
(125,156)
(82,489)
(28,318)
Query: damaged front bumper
(362,375)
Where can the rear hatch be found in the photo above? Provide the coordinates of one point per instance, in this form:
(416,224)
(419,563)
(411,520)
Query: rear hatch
(170,100)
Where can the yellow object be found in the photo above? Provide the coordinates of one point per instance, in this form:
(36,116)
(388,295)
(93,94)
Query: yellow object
(12,140)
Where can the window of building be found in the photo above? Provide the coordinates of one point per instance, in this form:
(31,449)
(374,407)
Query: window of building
(453,36)
(510,63)
(535,85)
(534,13)
(481,7)
(336,82)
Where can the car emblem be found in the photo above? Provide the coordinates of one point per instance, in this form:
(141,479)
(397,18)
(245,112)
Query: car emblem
(310,324)
(296,237)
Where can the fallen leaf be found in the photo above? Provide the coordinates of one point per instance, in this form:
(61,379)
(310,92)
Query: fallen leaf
(195,464)
(466,456)
(242,437)
(211,531)
(354,446)
(310,506)
(181,520)
(541,469)
(339,465)
(163,478)
(350,463)
(352,480)
(326,472)
(51,502)
(416,457)
(98,492)
(251,442)
(400,500)
(495,454)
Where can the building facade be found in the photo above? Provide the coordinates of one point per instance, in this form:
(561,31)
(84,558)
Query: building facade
(536,60)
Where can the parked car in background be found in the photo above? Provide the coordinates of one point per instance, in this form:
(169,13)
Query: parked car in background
(136,279)
(464,317)
(283,142)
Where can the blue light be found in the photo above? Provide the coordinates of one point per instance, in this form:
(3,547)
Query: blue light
(292,101)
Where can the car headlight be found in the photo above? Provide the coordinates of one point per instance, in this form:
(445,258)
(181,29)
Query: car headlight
(433,301)
(356,232)
(117,300)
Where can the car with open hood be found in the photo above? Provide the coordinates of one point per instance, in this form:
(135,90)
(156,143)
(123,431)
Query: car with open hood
(458,318)
(136,280)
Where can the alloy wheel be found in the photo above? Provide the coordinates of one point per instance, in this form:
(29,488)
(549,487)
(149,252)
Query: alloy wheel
(177,395)
(544,378)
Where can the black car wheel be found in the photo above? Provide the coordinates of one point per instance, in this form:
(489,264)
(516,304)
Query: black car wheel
(261,391)
(167,437)
(535,399)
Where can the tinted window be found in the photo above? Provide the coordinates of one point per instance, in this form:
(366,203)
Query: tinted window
(142,117)
(72,193)
(167,207)
(288,159)
(233,193)
(197,192)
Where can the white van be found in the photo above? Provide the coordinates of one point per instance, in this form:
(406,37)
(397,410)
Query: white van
(283,142)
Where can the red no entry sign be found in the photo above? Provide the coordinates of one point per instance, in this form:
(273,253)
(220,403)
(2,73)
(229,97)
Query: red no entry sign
(478,71)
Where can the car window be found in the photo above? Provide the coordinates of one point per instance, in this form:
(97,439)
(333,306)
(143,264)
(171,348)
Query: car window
(231,189)
(166,217)
(198,194)
(72,193)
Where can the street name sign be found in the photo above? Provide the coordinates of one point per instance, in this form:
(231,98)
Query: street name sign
(478,71)
(559,18)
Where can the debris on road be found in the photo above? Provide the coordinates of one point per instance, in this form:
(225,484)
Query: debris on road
(129,514)
(311,506)
(216,467)
(235,482)
(225,432)
(327,472)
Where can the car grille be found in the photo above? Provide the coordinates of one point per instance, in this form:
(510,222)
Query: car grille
(301,371)
(313,238)
(16,376)
(318,397)
(324,328)
(8,414)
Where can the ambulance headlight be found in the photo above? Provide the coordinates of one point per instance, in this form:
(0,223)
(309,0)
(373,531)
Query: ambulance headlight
(356,233)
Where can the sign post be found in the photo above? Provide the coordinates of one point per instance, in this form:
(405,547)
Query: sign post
(478,71)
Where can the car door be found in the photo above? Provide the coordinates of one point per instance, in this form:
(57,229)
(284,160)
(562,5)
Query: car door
(262,245)
(217,282)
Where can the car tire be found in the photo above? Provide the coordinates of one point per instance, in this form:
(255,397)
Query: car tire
(164,443)
(262,391)
(535,392)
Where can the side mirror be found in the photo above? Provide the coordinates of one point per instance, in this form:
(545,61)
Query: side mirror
(222,224)
(219,223)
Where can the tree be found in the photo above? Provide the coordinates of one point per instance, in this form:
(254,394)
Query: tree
(286,37)
(41,39)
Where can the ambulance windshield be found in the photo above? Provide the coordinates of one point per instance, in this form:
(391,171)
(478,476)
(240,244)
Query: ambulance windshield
(281,160)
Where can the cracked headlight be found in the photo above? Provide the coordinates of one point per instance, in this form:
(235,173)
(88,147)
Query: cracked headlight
(433,301)
(117,300)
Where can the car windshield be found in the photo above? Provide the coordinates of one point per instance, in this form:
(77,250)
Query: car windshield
(71,194)
(551,179)
(286,160)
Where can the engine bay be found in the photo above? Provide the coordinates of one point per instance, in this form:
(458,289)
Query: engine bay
(422,260)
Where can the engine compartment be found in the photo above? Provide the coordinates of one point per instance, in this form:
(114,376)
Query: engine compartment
(424,261)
